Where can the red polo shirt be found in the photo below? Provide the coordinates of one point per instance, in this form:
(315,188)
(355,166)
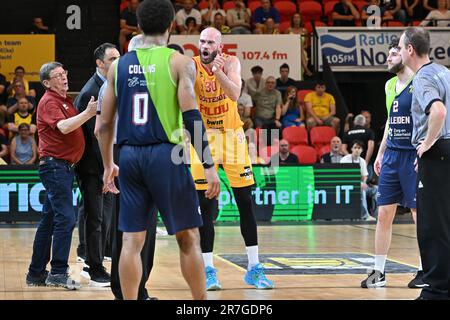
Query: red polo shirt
(51,109)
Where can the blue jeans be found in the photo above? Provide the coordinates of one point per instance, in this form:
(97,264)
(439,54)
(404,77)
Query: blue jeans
(57,220)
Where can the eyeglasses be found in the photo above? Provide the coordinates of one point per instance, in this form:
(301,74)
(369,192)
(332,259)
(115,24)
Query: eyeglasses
(60,75)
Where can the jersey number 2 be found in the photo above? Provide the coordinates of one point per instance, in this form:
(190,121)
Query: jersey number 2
(140,109)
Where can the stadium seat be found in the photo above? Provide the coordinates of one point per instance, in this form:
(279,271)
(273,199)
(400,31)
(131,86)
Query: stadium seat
(360,5)
(254,5)
(416,23)
(321,136)
(305,154)
(286,9)
(310,10)
(323,150)
(394,23)
(203,5)
(301,95)
(267,152)
(328,10)
(284,25)
(296,135)
(228,5)
(318,23)
(123,5)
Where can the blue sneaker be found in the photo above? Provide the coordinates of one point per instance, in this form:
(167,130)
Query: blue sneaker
(256,277)
(212,283)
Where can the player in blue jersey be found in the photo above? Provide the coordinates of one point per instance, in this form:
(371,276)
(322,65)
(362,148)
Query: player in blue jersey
(395,166)
(153,88)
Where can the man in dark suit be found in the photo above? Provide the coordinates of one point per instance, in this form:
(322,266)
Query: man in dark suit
(98,207)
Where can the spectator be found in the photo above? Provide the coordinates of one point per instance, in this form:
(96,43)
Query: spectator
(430,5)
(245,106)
(264,12)
(219,23)
(3,98)
(368,116)
(360,132)
(297,27)
(4,149)
(292,113)
(22,116)
(344,14)
(23,146)
(321,108)
(13,102)
(128,23)
(238,18)
(378,18)
(268,28)
(253,154)
(439,17)
(38,26)
(283,82)
(335,155)
(415,10)
(255,84)
(355,157)
(268,106)
(397,12)
(188,11)
(19,75)
(61,145)
(209,14)
(191,26)
(284,156)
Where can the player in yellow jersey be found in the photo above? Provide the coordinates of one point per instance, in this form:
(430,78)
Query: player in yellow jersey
(218,86)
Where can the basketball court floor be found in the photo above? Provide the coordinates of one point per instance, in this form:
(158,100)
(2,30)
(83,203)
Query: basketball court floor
(306,261)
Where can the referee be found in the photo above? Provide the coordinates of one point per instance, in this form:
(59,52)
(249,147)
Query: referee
(431,137)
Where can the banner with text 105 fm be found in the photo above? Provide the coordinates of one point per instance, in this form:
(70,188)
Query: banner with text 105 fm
(28,51)
(267,51)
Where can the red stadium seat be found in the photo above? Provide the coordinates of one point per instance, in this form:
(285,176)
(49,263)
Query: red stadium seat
(286,9)
(123,5)
(324,149)
(305,154)
(318,23)
(203,5)
(416,23)
(321,136)
(394,23)
(328,10)
(267,152)
(360,5)
(296,136)
(301,95)
(284,25)
(310,10)
(228,5)
(254,5)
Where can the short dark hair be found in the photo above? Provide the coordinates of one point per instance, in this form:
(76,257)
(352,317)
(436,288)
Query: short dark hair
(176,47)
(218,14)
(320,82)
(394,43)
(284,66)
(419,39)
(44,72)
(99,52)
(155,16)
(359,143)
(189,19)
(23,125)
(256,69)
(19,68)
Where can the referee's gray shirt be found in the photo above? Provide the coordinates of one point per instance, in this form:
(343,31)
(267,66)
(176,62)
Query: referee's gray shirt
(431,83)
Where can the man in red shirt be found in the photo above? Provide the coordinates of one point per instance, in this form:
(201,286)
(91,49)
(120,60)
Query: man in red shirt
(61,145)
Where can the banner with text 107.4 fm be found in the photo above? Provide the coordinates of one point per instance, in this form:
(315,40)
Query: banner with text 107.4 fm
(28,51)
(288,193)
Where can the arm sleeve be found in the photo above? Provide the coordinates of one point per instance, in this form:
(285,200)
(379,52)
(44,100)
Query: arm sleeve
(426,92)
(276,16)
(332,101)
(52,114)
(363,165)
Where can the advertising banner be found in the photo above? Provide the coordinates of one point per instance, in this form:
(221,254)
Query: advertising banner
(363,49)
(29,51)
(267,51)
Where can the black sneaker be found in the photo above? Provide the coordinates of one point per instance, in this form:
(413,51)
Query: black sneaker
(376,279)
(62,280)
(417,282)
(85,272)
(100,278)
(37,281)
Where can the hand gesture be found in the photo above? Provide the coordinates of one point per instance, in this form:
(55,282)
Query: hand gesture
(91,108)
(218,63)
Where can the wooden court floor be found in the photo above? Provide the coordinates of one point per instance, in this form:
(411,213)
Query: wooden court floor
(166,281)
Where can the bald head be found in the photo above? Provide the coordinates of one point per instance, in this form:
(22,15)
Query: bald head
(210,44)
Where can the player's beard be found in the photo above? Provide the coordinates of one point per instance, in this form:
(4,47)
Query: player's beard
(208,59)
(396,68)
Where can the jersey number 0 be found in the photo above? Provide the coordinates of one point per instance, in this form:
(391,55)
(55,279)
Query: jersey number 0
(140,109)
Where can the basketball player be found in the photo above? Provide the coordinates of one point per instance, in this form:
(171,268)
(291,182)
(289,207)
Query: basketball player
(218,87)
(395,166)
(154,90)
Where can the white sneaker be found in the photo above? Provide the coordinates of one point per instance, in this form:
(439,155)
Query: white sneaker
(369,218)
(161,232)
(80,259)
(107,259)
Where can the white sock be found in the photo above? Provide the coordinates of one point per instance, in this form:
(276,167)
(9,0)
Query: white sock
(252,254)
(380,261)
(420,264)
(208,259)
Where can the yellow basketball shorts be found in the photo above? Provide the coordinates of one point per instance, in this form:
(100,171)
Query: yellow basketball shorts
(229,149)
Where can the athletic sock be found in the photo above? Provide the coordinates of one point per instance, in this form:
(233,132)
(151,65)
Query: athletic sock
(252,254)
(380,261)
(420,264)
(208,259)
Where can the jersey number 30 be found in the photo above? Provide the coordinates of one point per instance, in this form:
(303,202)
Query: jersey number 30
(140,109)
